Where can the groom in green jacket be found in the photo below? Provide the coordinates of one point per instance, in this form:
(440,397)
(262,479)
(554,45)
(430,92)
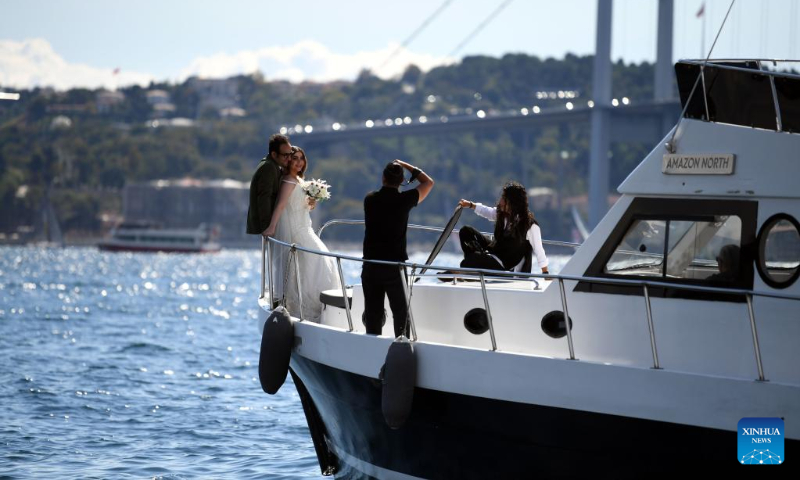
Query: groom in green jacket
(265,184)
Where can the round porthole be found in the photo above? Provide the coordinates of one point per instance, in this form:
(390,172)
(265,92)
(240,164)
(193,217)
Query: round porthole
(553,324)
(476,321)
(778,259)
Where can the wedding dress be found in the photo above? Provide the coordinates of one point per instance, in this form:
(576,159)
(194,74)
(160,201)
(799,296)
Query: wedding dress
(317,273)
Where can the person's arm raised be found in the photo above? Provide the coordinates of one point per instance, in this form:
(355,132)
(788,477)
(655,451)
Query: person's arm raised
(425,181)
(425,185)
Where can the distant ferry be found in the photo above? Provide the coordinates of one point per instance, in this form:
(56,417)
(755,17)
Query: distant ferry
(142,237)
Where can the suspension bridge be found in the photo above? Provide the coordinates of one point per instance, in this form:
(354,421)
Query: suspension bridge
(610,119)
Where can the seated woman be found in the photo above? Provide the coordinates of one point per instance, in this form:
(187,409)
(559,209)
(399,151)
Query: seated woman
(516,234)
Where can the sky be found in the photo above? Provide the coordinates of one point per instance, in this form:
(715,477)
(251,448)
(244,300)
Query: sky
(80,43)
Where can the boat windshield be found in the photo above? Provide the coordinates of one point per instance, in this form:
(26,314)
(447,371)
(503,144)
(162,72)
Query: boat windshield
(694,249)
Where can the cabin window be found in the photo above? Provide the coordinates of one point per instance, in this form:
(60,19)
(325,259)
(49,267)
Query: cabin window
(704,242)
(779,251)
(707,249)
(641,251)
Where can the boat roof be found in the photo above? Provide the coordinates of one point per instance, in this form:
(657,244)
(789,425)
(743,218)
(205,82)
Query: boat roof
(738,136)
(751,93)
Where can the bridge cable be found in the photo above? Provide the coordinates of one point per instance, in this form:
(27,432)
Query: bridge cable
(480,27)
(413,35)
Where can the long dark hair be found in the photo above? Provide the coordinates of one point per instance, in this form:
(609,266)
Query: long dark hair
(518,219)
(296,149)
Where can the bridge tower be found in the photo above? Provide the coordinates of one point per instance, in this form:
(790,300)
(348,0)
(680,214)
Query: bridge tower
(664,90)
(600,140)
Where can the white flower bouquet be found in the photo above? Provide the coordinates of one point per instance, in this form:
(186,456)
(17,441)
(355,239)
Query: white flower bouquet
(317,189)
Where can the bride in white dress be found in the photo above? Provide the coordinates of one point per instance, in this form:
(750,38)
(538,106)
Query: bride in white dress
(291,223)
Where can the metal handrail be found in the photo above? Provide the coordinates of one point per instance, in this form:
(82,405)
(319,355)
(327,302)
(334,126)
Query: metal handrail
(482,273)
(754,333)
(566,318)
(488,311)
(293,251)
(427,228)
(412,226)
(705,91)
(778,121)
(723,59)
(746,70)
(548,276)
(263,268)
(344,295)
(650,327)
(407,295)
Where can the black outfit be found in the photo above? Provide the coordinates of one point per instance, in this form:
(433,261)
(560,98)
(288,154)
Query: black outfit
(723,277)
(386,222)
(478,250)
(264,189)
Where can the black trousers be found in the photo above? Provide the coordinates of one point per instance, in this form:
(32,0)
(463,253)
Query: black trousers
(476,250)
(378,282)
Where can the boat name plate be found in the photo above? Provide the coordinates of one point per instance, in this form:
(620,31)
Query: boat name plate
(699,164)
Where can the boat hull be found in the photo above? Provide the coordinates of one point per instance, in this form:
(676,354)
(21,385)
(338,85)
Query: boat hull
(451,435)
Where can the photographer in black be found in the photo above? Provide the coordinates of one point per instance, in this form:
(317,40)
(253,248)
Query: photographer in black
(386,222)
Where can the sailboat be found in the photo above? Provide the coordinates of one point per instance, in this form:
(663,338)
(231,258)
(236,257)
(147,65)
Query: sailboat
(47,230)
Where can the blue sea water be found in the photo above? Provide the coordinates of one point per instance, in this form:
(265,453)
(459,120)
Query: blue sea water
(122,365)
(139,366)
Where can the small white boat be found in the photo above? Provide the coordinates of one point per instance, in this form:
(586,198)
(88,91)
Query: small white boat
(147,237)
(683,308)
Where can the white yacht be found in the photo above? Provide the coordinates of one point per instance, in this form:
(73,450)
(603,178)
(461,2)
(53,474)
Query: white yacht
(148,237)
(683,303)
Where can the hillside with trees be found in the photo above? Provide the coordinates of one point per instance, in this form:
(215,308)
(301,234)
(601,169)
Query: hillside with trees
(84,145)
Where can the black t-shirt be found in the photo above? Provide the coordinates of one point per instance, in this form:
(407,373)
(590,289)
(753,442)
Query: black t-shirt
(386,218)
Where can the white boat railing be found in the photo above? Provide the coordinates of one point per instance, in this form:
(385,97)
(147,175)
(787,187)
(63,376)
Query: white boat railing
(427,228)
(483,275)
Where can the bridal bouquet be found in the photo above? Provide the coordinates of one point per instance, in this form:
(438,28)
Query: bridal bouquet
(317,189)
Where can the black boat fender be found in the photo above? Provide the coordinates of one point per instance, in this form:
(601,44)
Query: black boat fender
(398,377)
(276,349)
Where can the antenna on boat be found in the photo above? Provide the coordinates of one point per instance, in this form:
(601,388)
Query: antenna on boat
(670,145)
(719,31)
